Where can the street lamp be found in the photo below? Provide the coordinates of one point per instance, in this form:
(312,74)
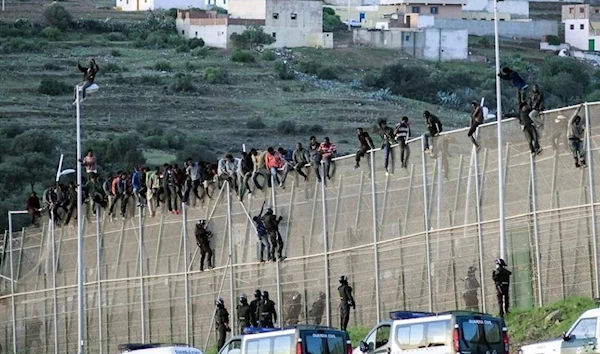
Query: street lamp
(499,128)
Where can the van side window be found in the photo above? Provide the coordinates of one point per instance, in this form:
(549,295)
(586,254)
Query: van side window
(382,336)
(271,345)
(423,335)
(282,345)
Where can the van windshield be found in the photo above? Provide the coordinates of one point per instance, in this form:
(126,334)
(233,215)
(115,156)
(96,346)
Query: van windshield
(480,331)
(324,343)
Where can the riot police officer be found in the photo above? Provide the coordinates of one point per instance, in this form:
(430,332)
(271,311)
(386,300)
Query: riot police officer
(501,277)
(254,308)
(471,290)
(222,322)
(202,240)
(346,302)
(244,313)
(318,307)
(266,313)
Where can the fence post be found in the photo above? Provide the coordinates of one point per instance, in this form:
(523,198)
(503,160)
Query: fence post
(185,273)
(98,277)
(12,283)
(426,215)
(325,246)
(590,162)
(141,260)
(375,235)
(230,235)
(478,211)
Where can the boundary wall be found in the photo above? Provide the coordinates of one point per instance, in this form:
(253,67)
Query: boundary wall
(405,240)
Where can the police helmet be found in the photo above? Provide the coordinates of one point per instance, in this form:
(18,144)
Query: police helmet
(296,296)
(220,302)
(265,295)
(322,295)
(500,262)
(243,297)
(471,269)
(257,293)
(201,222)
(343,279)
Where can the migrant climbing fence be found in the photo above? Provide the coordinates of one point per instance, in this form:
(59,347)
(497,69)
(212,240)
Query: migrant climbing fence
(405,241)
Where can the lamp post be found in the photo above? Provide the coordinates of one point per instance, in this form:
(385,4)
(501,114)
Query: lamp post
(499,128)
(12,276)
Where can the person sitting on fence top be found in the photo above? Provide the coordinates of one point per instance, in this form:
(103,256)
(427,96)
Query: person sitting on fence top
(575,135)
(476,121)
(227,170)
(387,139)
(434,128)
(537,106)
(328,151)
(300,159)
(365,144)
(529,129)
(517,81)
(315,156)
(401,134)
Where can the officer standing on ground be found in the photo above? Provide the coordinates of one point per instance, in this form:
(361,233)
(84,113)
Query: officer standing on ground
(254,307)
(244,313)
(471,290)
(347,301)
(318,307)
(266,313)
(501,277)
(222,321)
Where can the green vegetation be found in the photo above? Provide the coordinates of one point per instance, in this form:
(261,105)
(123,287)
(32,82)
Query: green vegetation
(252,38)
(331,21)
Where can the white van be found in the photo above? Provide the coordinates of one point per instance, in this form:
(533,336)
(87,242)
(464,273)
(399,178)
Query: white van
(158,348)
(301,339)
(453,332)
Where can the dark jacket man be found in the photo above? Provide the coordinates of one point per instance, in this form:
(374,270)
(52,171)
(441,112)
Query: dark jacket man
(501,278)
(222,322)
(266,313)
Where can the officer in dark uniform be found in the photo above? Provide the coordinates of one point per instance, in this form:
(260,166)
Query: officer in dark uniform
(222,322)
(203,241)
(293,312)
(346,302)
(244,313)
(271,222)
(501,277)
(471,290)
(318,307)
(254,307)
(266,313)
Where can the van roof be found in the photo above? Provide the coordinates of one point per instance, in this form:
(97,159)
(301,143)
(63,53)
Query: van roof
(407,315)
(266,332)
(591,313)
(159,347)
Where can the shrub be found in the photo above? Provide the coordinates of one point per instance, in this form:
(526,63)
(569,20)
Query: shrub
(51,67)
(309,67)
(183,83)
(251,38)
(162,65)
(283,71)
(51,33)
(286,127)
(216,76)
(116,37)
(172,13)
(18,45)
(111,68)
(57,16)
(116,53)
(484,42)
(150,80)
(268,55)
(316,129)
(326,73)
(53,87)
(188,66)
(200,52)
(195,43)
(242,56)
(331,21)
(553,40)
(255,123)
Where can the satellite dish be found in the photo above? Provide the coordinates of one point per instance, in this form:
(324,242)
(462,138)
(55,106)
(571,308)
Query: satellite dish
(93,88)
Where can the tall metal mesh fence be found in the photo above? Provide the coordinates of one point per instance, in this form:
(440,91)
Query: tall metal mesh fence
(405,240)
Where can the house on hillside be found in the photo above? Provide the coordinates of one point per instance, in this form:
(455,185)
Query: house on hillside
(582,26)
(293,23)
(149,5)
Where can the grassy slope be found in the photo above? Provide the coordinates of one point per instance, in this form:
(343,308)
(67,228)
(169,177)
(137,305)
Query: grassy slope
(527,326)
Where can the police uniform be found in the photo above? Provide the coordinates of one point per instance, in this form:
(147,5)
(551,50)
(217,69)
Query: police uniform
(501,277)
(254,308)
(294,309)
(318,307)
(266,313)
(202,236)
(471,290)
(346,302)
(244,316)
(222,322)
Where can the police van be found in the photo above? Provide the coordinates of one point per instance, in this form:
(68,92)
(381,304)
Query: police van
(301,339)
(451,332)
(158,348)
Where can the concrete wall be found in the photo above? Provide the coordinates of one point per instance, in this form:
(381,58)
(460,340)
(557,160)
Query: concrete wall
(393,39)
(577,36)
(516,8)
(293,38)
(535,29)
(305,16)
(436,10)
(250,9)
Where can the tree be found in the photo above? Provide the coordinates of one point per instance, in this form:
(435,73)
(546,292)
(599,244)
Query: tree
(252,38)
(331,21)
(57,16)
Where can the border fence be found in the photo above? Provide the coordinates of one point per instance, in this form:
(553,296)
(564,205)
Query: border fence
(405,240)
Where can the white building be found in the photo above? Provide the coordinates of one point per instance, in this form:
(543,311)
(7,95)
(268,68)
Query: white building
(293,23)
(148,5)
(219,3)
(582,26)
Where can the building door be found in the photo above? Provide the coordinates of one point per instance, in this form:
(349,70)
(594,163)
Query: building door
(591,45)
(361,17)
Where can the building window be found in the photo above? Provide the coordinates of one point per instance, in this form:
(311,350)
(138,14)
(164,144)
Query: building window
(416,9)
(127,2)
(275,15)
(433,10)
(581,10)
(224,2)
(274,35)
(407,38)
(571,10)
(597,11)
(182,32)
(581,26)
(572,27)
(196,34)
(294,16)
